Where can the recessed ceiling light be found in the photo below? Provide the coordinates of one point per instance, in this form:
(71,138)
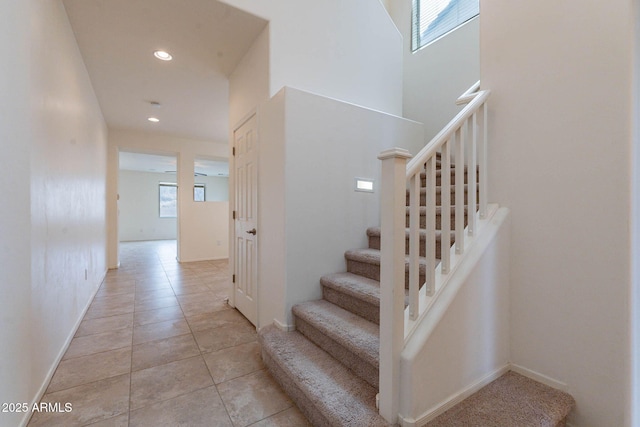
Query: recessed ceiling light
(163,55)
(153,119)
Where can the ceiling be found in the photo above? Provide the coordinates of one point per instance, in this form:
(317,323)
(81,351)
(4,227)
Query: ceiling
(167,164)
(207,39)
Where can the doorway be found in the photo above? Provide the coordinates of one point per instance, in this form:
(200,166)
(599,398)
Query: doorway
(148,199)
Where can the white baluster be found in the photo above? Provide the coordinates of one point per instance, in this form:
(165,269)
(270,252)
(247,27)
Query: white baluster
(430,226)
(414,246)
(459,227)
(445,208)
(482,160)
(471,180)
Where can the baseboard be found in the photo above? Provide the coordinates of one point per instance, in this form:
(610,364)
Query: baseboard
(536,376)
(63,350)
(284,327)
(454,399)
(203,259)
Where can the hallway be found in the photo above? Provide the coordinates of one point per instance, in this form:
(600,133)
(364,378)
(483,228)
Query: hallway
(159,346)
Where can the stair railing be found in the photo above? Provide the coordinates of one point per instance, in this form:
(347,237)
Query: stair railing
(461,143)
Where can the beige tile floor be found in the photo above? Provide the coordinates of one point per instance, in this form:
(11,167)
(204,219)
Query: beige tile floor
(160,347)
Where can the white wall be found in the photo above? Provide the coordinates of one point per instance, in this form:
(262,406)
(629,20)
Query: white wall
(216,188)
(194,243)
(560,138)
(464,338)
(634,397)
(249,82)
(272,219)
(311,150)
(208,226)
(345,50)
(15,225)
(436,75)
(139,207)
(68,187)
(56,140)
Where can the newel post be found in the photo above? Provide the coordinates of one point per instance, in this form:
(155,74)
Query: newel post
(392,273)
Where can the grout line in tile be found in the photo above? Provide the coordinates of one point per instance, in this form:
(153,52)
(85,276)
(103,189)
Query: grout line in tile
(137,264)
(131,362)
(90,354)
(273,415)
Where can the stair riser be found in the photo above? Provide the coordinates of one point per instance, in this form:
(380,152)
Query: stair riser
(372,271)
(423,179)
(354,305)
(364,269)
(293,391)
(423,198)
(374,243)
(423,221)
(356,364)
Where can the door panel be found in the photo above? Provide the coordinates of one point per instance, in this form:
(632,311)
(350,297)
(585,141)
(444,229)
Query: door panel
(246,236)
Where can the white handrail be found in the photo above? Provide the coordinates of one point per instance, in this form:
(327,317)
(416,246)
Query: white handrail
(434,145)
(469,94)
(464,138)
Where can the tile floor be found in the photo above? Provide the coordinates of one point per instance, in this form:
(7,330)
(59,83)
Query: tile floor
(160,347)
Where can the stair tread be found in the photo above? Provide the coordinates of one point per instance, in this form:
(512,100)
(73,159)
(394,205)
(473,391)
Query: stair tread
(452,166)
(360,287)
(510,400)
(351,331)
(375,232)
(423,209)
(423,190)
(366,255)
(372,256)
(342,397)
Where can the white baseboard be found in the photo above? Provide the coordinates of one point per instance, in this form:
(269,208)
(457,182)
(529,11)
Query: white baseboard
(536,376)
(63,350)
(203,259)
(284,327)
(453,400)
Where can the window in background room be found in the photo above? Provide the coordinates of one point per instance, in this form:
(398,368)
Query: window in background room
(168,200)
(199,193)
(434,18)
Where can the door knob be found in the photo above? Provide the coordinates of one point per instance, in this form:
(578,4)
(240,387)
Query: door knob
(252,231)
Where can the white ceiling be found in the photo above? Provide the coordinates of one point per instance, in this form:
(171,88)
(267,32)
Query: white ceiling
(167,164)
(117,39)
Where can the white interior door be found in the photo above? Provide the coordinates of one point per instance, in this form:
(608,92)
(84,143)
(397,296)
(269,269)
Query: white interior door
(246,219)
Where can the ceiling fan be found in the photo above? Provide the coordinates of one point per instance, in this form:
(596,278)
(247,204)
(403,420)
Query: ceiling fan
(194,174)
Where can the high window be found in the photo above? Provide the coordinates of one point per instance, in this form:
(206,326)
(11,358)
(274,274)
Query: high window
(199,194)
(434,18)
(168,192)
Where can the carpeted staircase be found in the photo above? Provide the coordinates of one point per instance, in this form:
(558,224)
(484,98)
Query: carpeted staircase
(329,365)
